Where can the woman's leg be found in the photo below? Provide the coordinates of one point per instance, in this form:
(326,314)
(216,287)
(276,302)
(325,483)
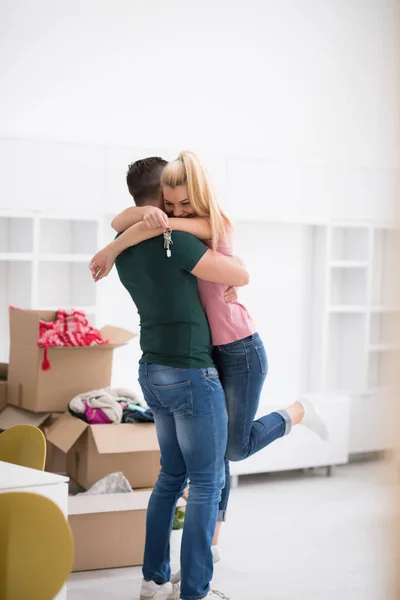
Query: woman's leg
(243,368)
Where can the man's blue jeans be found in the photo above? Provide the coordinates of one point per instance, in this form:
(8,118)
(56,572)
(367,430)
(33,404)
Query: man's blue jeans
(192,426)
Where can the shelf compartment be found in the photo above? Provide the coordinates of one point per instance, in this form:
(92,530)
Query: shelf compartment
(65,285)
(16,235)
(15,290)
(68,236)
(350,243)
(346,352)
(348,287)
(385,282)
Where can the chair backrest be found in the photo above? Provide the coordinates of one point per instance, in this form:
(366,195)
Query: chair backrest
(23,445)
(36,547)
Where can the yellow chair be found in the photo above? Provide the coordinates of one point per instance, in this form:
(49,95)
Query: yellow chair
(36,547)
(23,445)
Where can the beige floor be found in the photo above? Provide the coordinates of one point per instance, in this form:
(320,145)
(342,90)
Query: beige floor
(289,537)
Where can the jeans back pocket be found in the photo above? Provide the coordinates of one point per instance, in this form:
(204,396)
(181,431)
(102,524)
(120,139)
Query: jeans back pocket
(177,397)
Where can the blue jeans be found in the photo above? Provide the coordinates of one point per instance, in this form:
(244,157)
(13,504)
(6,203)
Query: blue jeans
(242,368)
(191,420)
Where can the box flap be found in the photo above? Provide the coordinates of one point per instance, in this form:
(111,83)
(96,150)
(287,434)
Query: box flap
(99,503)
(125,437)
(11,416)
(24,325)
(103,503)
(3,371)
(65,431)
(116,336)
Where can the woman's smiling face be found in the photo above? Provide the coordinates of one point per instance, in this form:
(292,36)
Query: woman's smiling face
(176,201)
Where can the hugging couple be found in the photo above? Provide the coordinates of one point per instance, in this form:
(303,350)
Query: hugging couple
(203,363)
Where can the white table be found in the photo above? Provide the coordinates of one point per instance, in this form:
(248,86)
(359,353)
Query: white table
(14,478)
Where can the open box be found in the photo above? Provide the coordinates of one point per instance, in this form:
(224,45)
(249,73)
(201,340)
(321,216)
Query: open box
(94,451)
(74,370)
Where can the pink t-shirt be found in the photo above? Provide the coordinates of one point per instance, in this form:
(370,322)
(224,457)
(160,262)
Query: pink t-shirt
(228,322)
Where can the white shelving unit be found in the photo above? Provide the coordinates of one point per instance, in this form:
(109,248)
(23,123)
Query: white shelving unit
(356,322)
(44,264)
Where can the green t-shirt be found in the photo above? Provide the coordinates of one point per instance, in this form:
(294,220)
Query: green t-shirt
(174,329)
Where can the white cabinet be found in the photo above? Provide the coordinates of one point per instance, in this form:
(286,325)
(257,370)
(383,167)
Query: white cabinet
(44,264)
(356,326)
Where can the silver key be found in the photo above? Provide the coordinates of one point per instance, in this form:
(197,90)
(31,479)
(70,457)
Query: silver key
(168,241)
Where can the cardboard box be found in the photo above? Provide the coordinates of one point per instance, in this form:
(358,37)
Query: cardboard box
(109,529)
(74,370)
(3,384)
(11,416)
(94,451)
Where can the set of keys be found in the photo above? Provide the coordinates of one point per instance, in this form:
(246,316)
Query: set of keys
(168,241)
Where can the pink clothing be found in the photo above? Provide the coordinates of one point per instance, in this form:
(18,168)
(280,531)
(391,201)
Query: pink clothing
(228,322)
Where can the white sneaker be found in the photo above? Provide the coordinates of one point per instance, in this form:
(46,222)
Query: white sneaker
(313,420)
(167,591)
(216,552)
(214,595)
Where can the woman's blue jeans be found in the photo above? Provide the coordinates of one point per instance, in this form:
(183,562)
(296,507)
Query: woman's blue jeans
(242,368)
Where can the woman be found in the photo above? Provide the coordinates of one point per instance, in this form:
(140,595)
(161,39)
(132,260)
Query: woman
(190,205)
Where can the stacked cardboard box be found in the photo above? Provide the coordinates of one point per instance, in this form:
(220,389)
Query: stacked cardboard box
(108,529)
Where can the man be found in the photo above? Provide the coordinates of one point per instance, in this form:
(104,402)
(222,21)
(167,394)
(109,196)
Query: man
(181,386)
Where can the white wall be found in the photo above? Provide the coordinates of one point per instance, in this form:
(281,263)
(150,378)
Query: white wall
(307,81)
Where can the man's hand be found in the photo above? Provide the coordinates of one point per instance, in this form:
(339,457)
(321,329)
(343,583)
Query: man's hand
(231,295)
(102,263)
(155,217)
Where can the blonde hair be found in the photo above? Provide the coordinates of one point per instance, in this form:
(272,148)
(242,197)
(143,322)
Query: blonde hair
(188,170)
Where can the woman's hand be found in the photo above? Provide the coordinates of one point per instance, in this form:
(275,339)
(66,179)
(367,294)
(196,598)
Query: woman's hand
(231,295)
(102,263)
(155,217)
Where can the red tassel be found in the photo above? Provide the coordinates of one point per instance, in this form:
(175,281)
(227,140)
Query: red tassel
(46,363)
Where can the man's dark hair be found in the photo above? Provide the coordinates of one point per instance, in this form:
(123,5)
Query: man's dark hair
(143,179)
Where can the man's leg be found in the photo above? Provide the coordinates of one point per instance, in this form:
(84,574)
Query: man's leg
(196,399)
(168,489)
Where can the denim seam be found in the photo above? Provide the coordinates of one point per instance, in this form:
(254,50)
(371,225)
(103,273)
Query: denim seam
(247,358)
(216,441)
